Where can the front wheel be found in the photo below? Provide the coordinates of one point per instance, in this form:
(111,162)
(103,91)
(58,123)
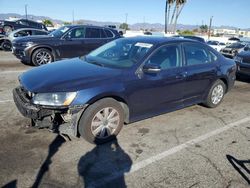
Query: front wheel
(42,56)
(216,94)
(101,121)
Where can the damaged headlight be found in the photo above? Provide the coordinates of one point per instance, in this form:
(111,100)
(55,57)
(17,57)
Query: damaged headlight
(54,99)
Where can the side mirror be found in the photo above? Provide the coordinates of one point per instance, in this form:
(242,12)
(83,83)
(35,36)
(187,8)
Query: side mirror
(151,68)
(15,35)
(68,36)
(246,48)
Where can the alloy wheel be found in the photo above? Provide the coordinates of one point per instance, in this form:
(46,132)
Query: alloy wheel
(217,94)
(105,122)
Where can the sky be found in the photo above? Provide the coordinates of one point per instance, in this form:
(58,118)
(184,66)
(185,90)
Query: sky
(225,12)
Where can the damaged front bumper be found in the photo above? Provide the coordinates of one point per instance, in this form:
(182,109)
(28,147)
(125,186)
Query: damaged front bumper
(62,120)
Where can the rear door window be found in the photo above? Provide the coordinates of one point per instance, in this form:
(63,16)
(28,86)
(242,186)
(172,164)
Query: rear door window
(93,33)
(196,54)
(109,33)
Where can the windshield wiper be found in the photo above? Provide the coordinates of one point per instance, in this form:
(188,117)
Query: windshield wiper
(92,62)
(96,63)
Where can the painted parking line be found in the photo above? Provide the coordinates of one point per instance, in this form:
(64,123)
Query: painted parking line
(5,101)
(158,157)
(14,71)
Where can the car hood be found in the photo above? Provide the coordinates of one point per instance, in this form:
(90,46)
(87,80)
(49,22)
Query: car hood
(245,55)
(67,76)
(35,38)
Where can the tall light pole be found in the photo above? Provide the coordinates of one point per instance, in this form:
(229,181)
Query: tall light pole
(210,26)
(126,21)
(73,17)
(26,12)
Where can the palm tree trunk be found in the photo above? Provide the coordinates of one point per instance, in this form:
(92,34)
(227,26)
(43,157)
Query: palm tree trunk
(179,10)
(172,18)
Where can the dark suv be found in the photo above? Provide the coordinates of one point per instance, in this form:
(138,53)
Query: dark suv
(7,26)
(65,42)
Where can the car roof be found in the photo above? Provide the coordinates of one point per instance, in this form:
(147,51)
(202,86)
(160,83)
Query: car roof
(34,29)
(159,40)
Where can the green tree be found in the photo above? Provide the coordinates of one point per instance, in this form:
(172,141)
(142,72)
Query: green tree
(204,28)
(124,26)
(186,32)
(48,23)
(67,23)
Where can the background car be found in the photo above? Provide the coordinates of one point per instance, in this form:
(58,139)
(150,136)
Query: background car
(65,42)
(233,49)
(243,62)
(6,42)
(216,45)
(8,26)
(126,80)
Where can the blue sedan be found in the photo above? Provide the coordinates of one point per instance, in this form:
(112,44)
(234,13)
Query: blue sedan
(126,80)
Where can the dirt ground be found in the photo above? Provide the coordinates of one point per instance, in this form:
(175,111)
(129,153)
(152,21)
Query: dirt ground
(192,147)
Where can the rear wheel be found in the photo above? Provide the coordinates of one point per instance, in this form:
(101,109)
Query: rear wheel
(101,121)
(6,45)
(216,94)
(42,56)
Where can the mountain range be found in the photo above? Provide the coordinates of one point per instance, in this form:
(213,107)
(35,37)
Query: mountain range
(136,26)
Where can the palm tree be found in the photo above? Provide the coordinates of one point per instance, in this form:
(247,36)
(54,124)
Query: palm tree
(169,4)
(179,4)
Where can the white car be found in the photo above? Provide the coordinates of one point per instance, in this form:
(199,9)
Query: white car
(216,45)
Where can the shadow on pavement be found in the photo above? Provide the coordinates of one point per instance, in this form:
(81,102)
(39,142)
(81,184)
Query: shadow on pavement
(12,184)
(53,148)
(240,167)
(243,78)
(104,166)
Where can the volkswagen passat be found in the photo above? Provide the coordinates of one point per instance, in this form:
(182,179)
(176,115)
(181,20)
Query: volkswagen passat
(126,80)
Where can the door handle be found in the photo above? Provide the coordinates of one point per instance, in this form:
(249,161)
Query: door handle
(181,75)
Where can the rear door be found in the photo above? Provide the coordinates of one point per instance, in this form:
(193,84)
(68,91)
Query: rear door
(201,71)
(94,38)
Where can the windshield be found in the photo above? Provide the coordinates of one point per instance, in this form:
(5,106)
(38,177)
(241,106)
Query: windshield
(59,32)
(121,53)
(236,45)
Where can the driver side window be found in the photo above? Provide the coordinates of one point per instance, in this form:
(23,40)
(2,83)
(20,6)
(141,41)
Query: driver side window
(77,33)
(166,57)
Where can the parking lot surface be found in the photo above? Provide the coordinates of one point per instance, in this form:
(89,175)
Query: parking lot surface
(192,147)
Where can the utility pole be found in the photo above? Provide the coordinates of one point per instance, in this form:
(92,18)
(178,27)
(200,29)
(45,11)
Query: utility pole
(26,12)
(126,20)
(143,23)
(210,26)
(73,17)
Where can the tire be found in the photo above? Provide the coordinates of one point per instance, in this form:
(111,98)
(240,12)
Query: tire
(216,94)
(95,130)
(7,29)
(6,46)
(42,56)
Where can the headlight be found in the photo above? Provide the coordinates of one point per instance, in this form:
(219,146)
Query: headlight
(54,99)
(27,44)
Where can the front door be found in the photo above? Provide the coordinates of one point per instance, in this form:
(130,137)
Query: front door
(163,91)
